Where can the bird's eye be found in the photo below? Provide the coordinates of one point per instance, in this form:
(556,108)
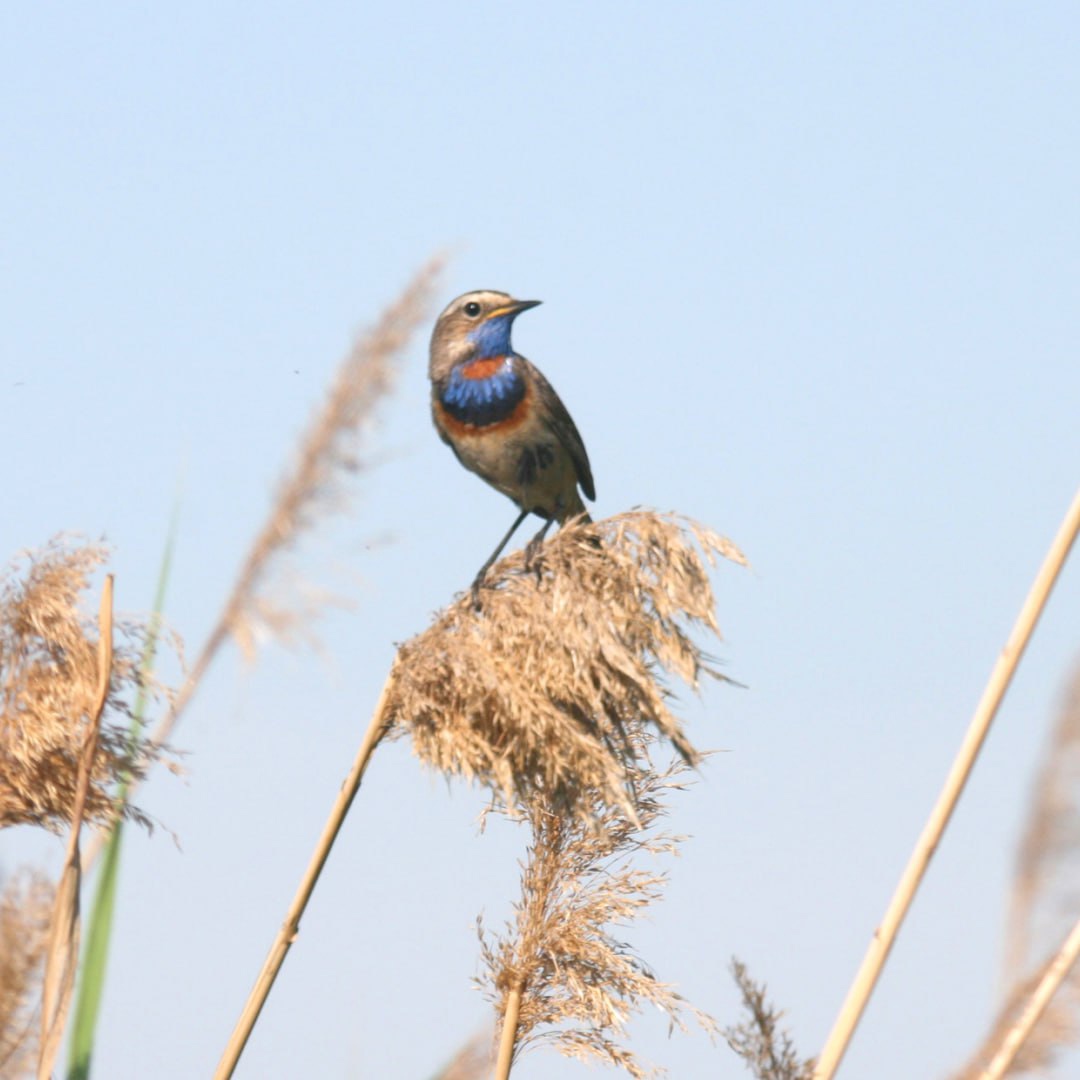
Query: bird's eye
(472,309)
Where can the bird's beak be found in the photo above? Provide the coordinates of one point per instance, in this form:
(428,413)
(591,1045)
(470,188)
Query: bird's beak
(514,309)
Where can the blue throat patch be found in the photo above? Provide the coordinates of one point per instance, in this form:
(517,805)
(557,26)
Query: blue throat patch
(492,337)
(487,400)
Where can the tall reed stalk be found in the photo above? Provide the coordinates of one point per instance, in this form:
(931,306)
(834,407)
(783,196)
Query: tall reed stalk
(882,942)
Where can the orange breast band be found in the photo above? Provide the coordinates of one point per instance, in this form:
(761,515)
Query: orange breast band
(482,369)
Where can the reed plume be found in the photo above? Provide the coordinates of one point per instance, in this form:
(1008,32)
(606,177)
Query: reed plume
(1042,916)
(557,972)
(539,694)
(48,674)
(765,1047)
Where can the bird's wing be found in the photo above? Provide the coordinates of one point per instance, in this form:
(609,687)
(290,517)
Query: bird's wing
(566,431)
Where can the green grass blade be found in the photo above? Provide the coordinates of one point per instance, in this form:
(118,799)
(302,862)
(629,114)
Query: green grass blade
(99,922)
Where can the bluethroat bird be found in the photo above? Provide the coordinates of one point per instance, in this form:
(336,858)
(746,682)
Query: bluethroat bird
(501,417)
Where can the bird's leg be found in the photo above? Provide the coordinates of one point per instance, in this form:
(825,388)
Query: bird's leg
(532,548)
(479,579)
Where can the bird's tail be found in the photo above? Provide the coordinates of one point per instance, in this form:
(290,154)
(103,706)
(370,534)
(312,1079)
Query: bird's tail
(575,511)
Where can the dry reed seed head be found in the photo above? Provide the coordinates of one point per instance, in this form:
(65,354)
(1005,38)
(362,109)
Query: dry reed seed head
(25,909)
(1047,873)
(1042,906)
(765,1047)
(579,983)
(537,694)
(317,484)
(1055,1029)
(48,676)
(1045,886)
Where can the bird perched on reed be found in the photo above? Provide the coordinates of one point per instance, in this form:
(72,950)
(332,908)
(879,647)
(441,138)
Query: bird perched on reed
(502,418)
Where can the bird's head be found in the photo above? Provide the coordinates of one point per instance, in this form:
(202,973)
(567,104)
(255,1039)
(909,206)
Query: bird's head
(474,326)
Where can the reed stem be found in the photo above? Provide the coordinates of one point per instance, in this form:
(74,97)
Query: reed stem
(290,928)
(882,941)
(509,1033)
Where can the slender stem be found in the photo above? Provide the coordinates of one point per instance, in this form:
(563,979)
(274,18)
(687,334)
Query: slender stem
(882,941)
(509,1033)
(1018,1034)
(290,928)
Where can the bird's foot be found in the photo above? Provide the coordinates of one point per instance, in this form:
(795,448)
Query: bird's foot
(478,581)
(533,559)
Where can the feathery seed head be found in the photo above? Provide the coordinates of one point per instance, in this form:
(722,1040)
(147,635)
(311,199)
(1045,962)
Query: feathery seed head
(48,675)
(539,693)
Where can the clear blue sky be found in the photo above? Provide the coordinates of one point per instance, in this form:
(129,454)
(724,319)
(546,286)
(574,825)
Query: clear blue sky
(810,275)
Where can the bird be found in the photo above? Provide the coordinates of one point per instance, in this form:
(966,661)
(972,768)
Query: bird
(503,419)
